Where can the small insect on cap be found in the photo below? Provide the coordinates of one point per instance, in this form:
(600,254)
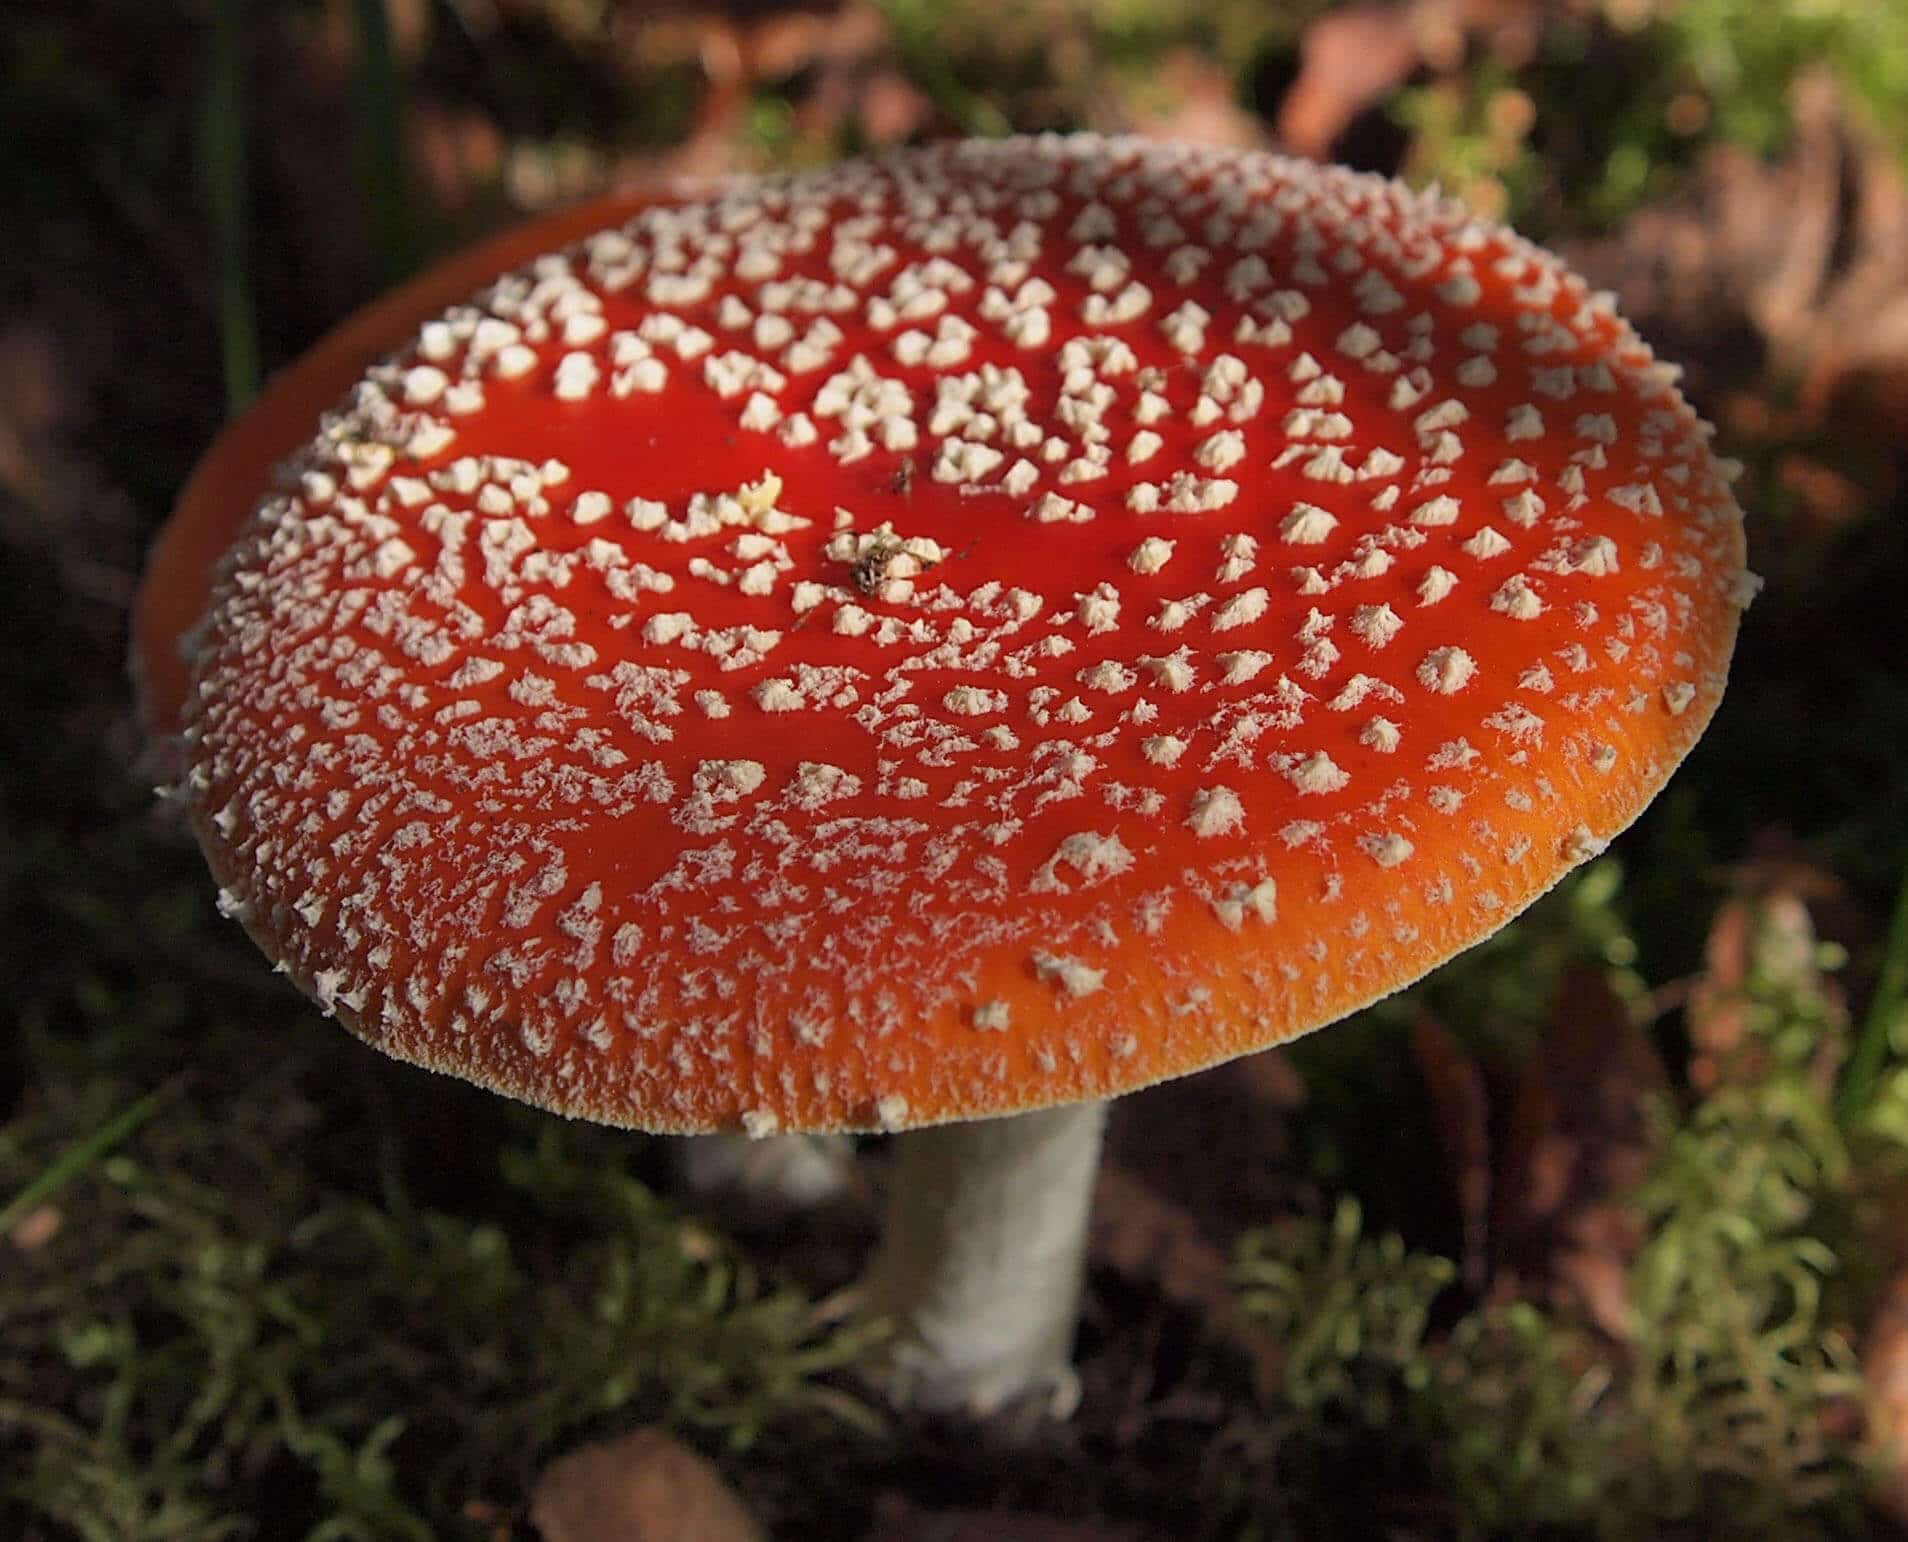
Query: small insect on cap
(955,633)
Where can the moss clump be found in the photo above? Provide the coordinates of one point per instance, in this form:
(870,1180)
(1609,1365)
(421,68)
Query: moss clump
(217,1342)
(1729,1404)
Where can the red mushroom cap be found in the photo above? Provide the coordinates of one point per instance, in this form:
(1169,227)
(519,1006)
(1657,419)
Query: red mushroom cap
(955,633)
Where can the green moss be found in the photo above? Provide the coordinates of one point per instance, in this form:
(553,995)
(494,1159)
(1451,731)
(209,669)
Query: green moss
(216,1341)
(1724,1409)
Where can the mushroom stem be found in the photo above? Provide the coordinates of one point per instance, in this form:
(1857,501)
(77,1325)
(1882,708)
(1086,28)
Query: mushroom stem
(764,1180)
(981,1263)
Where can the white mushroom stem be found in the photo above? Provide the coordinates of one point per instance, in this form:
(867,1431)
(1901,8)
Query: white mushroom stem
(981,1264)
(765,1179)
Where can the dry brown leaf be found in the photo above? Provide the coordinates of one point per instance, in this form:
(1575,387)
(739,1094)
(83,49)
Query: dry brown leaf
(1355,56)
(34,401)
(1780,861)
(891,109)
(1885,1368)
(1799,267)
(1460,1106)
(1199,104)
(492,1520)
(1580,1140)
(1349,60)
(642,1487)
(54,499)
(1830,496)
(740,48)
(1159,1219)
(1231,1119)
(36,1228)
(341,30)
(1769,933)
(457,153)
(1714,1012)
(1146,1237)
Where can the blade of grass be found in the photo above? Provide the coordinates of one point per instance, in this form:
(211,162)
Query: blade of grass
(223,174)
(1876,1040)
(83,1154)
(377,100)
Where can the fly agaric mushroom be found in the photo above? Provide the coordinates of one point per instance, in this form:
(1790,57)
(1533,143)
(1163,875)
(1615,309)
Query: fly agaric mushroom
(936,643)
